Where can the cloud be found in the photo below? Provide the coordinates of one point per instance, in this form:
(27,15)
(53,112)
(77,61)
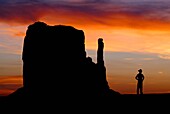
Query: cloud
(134,14)
(164,56)
(145,59)
(148,59)
(129,59)
(9,84)
(11,38)
(14,13)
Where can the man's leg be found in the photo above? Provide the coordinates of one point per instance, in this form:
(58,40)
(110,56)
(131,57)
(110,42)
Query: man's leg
(137,90)
(141,90)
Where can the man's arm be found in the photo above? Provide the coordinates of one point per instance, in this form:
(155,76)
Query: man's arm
(143,77)
(136,77)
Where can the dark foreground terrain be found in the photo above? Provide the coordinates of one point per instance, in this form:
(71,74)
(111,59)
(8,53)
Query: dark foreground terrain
(126,102)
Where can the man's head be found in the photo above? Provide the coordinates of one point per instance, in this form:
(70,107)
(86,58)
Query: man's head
(140,70)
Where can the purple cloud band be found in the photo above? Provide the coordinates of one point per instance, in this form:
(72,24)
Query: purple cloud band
(32,10)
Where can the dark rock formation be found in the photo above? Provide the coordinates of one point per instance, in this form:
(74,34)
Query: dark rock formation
(55,63)
(52,57)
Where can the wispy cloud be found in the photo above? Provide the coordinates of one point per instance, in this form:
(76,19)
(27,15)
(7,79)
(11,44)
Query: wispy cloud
(164,56)
(9,84)
(11,38)
(130,13)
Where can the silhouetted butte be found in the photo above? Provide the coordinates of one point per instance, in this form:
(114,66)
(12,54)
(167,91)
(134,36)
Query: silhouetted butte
(55,63)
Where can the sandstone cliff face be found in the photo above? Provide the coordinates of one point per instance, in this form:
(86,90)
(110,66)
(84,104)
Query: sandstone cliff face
(55,63)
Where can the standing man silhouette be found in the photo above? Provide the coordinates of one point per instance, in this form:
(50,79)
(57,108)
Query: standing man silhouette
(140,77)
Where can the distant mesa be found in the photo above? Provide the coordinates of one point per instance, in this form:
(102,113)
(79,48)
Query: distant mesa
(55,64)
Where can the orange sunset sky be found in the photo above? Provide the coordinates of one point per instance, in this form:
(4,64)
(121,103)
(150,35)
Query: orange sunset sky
(136,34)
